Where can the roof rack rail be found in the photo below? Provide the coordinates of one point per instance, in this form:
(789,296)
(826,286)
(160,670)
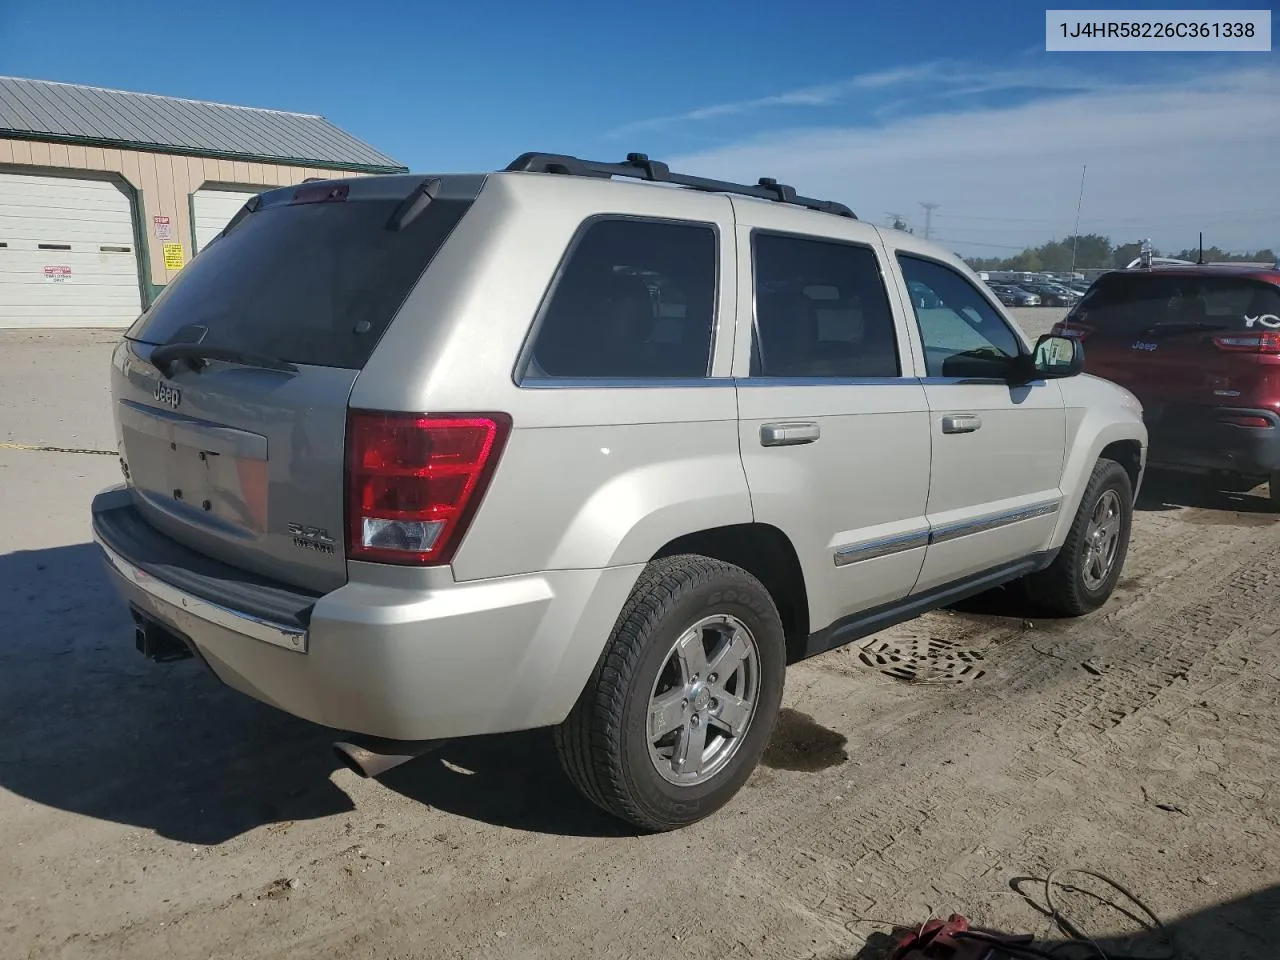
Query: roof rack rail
(638,166)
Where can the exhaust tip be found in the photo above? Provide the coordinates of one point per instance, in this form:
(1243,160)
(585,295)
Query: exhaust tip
(371,757)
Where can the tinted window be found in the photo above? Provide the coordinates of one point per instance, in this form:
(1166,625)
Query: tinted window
(961,332)
(312,283)
(821,311)
(1123,305)
(636,299)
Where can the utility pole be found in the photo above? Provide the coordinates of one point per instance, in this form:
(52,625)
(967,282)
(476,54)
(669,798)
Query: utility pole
(928,216)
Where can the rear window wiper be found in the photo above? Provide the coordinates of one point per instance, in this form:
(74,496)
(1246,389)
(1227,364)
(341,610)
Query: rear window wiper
(197,354)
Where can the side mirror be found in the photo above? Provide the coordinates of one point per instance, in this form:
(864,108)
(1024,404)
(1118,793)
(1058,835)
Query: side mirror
(1057,357)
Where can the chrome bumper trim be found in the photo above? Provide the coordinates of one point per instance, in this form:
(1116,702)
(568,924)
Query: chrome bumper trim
(276,634)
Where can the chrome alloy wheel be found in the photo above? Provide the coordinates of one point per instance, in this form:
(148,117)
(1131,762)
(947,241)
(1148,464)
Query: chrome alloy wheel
(1101,540)
(704,700)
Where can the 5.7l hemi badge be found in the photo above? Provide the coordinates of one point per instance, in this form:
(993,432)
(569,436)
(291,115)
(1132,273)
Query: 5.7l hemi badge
(316,539)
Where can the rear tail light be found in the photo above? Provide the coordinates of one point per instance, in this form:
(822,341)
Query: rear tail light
(1245,421)
(1268,343)
(414,482)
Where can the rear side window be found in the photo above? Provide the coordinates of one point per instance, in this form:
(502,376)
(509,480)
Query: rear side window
(635,299)
(821,310)
(311,283)
(1122,306)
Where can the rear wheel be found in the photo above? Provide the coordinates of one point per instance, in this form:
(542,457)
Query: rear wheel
(1274,489)
(1086,570)
(683,700)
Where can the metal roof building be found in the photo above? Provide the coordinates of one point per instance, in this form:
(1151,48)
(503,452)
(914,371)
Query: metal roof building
(106,194)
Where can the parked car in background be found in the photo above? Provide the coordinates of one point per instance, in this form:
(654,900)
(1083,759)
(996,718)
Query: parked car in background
(526,458)
(1012,296)
(922,297)
(1052,294)
(1200,347)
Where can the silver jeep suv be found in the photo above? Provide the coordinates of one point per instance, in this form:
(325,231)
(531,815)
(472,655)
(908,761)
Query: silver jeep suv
(424,457)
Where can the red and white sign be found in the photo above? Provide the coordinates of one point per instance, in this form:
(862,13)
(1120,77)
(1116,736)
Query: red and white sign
(163,228)
(57,273)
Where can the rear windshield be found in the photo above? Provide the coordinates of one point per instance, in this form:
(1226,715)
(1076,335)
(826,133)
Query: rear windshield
(311,283)
(1125,305)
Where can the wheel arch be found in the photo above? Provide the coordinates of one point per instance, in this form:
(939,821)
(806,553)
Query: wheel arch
(1100,436)
(767,554)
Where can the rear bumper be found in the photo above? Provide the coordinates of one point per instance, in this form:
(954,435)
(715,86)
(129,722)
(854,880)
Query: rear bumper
(1205,441)
(398,661)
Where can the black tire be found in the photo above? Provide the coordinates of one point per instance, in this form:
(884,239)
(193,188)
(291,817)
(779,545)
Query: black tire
(603,743)
(1061,589)
(1273,487)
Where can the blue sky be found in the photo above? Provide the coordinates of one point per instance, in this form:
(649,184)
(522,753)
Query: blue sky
(876,105)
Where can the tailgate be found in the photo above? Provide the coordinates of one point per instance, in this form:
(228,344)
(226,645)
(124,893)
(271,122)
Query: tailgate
(1180,338)
(244,465)
(236,447)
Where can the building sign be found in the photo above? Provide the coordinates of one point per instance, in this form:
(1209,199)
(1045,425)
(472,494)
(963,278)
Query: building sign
(173,256)
(57,273)
(163,228)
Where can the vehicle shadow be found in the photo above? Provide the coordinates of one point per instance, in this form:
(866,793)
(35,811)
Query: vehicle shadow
(1163,491)
(87,725)
(1242,929)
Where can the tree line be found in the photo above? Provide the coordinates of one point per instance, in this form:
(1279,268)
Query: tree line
(1093,251)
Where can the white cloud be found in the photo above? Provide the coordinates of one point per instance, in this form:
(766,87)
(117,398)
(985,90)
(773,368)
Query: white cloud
(934,79)
(1164,160)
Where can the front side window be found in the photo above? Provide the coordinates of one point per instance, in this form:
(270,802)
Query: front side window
(821,311)
(636,299)
(962,334)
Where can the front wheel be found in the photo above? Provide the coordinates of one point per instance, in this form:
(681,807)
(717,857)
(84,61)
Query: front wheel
(683,700)
(1087,568)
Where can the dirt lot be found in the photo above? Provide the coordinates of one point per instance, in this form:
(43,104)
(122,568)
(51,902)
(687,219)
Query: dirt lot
(145,811)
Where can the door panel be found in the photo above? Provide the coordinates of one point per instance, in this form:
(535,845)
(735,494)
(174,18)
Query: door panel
(834,424)
(997,450)
(853,500)
(994,490)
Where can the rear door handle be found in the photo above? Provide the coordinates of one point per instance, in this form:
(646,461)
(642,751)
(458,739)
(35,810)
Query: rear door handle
(961,424)
(788,434)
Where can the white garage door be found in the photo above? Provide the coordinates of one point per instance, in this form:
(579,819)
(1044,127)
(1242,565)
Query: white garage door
(212,209)
(67,255)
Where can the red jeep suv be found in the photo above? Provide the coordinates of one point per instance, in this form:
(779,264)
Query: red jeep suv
(1200,347)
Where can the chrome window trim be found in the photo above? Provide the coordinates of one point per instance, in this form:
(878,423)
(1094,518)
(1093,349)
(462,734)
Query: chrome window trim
(620,383)
(978,381)
(881,547)
(276,634)
(827,381)
(965,528)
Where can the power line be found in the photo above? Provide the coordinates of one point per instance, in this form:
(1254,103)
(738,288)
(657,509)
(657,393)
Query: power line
(983,243)
(1252,213)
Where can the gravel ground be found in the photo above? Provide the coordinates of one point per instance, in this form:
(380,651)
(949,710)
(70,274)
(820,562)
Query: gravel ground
(147,812)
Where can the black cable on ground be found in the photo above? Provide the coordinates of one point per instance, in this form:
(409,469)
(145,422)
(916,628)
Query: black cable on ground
(1081,938)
